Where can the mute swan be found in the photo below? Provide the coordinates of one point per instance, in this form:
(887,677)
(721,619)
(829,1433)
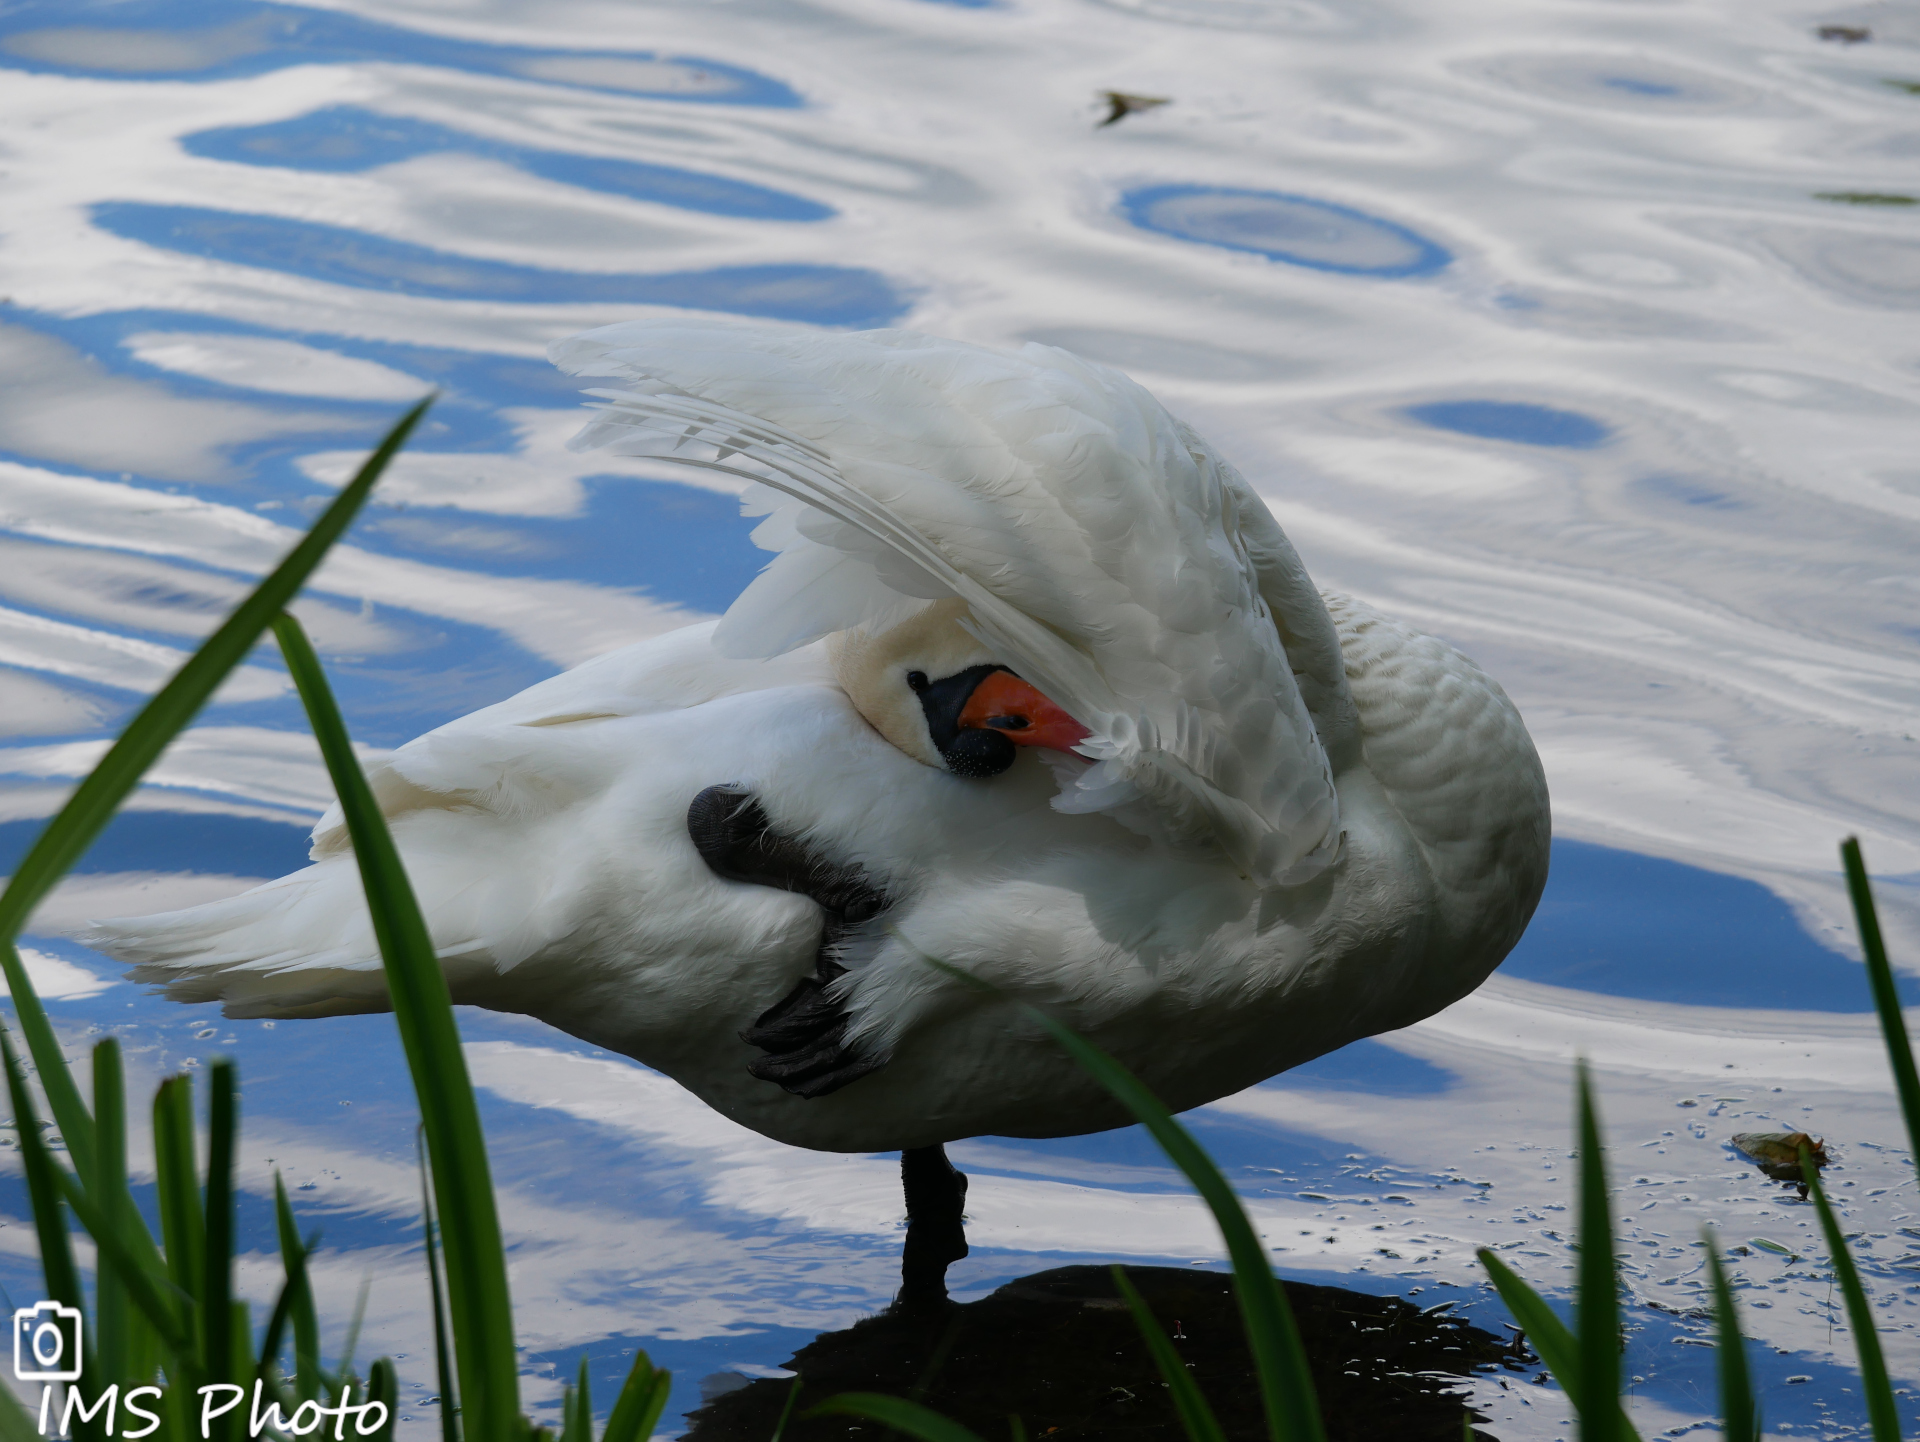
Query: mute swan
(1035,685)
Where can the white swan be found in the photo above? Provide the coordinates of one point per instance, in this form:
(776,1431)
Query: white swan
(1250,826)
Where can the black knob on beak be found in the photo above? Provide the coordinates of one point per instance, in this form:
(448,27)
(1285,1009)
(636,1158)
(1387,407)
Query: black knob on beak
(973,751)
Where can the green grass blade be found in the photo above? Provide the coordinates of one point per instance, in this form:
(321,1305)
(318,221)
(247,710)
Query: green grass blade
(643,1397)
(107,1188)
(479,1303)
(1739,1416)
(1882,1414)
(274,1340)
(70,1113)
(149,1291)
(45,1180)
(1549,1336)
(309,1379)
(241,1363)
(442,1349)
(1597,1308)
(1886,996)
(1196,1417)
(130,1255)
(43,1187)
(94,801)
(216,1254)
(786,1411)
(343,1382)
(92,805)
(1286,1388)
(16,1423)
(176,1174)
(576,1410)
(897,1413)
(293,1306)
(383,1386)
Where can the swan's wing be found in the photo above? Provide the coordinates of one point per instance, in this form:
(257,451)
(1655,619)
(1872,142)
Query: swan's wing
(1096,541)
(476,809)
(494,814)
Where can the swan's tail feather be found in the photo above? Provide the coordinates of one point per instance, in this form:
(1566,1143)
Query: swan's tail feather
(304,945)
(301,946)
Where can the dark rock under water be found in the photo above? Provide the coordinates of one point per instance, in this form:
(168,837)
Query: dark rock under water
(1060,1350)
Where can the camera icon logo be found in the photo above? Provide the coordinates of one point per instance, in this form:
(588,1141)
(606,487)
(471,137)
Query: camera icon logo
(46,1343)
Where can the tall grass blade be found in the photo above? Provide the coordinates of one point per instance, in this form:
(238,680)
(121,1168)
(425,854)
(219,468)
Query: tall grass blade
(1886,996)
(383,1385)
(576,1409)
(149,1290)
(1196,1417)
(216,1285)
(1549,1336)
(241,1363)
(1739,1414)
(1559,1349)
(94,801)
(176,1172)
(897,1413)
(131,1258)
(786,1412)
(1597,1315)
(1882,1414)
(70,1113)
(16,1423)
(108,1189)
(643,1397)
(341,1382)
(274,1340)
(1286,1388)
(479,1303)
(295,1304)
(442,1347)
(43,1191)
(43,1186)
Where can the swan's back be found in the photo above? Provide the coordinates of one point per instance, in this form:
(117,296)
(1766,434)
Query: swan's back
(1458,770)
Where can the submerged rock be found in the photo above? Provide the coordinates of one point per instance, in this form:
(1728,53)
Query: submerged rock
(1060,1351)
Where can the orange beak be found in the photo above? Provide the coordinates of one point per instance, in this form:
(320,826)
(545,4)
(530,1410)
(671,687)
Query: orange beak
(1003,702)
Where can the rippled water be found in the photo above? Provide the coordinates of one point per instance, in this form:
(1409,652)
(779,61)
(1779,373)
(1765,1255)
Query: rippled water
(1584,336)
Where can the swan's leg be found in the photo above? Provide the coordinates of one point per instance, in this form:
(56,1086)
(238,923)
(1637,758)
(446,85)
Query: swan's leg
(936,1232)
(803,1033)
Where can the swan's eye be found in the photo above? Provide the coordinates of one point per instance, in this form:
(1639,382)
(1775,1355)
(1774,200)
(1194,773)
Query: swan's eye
(917,680)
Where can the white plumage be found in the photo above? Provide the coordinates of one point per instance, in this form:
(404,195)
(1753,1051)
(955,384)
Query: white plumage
(1096,541)
(1297,823)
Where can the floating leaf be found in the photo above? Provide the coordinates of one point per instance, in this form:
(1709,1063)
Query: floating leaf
(1778,1153)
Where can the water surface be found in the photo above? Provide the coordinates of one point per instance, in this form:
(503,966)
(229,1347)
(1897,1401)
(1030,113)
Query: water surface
(1547,331)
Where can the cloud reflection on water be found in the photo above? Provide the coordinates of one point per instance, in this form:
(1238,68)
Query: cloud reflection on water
(1637,436)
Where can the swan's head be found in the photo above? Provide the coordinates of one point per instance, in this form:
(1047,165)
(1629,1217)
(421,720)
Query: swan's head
(937,693)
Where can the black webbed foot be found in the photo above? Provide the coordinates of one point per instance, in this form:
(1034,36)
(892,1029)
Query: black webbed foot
(803,1033)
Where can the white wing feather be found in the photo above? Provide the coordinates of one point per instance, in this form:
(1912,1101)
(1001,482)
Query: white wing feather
(1096,541)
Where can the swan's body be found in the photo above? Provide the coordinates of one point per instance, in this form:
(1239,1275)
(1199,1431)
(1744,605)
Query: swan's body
(1231,887)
